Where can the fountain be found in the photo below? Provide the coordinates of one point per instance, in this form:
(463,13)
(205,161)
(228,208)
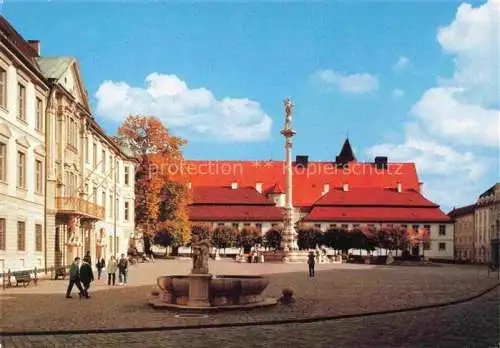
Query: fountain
(201,290)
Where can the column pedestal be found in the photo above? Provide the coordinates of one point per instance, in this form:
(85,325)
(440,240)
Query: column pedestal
(199,290)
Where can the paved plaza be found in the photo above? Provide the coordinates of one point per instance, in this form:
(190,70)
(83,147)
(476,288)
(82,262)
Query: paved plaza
(336,290)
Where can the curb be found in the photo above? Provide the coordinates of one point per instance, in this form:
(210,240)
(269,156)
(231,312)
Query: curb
(259,323)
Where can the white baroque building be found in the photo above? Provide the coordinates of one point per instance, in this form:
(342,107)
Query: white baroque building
(23,94)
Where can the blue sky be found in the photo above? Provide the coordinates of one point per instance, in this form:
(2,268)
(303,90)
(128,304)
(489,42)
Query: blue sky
(217,72)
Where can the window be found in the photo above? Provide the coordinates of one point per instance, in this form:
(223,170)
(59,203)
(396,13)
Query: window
(21,102)
(427,228)
(21,169)
(3,162)
(38,176)
(259,227)
(345,226)
(333,225)
(103,159)
(427,245)
(87,150)
(415,227)
(110,206)
(126,211)
(220,224)
(2,234)
(104,201)
(355,226)
(237,225)
(246,225)
(126,175)
(94,154)
(38,237)
(371,225)
(111,167)
(442,246)
(39,115)
(94,194)
(21,236)
(317,226)
(3,87)
(442,230)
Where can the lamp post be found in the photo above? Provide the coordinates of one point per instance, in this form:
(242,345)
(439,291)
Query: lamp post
(288,240)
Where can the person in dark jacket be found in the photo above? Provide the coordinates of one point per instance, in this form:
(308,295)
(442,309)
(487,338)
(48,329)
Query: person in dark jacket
(123,270)
(74,278)
(100,266)
(311,262)
(86,276)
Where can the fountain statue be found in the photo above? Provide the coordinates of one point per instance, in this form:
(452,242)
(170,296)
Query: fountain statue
(200,290)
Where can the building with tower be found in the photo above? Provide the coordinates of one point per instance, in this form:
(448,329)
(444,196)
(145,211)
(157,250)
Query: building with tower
(342,193)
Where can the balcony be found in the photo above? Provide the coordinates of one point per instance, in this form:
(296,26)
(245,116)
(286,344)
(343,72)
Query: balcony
(79,206)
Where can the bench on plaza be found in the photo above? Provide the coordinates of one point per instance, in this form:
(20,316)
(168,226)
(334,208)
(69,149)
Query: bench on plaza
(60,272)
(25,278)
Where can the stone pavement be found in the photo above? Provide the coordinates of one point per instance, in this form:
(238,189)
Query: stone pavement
(337,290)
(468,325)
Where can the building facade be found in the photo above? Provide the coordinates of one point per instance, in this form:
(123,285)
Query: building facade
(90,178)
(487,223)
(464,222)
(477,228)
(342,193)
(23,94)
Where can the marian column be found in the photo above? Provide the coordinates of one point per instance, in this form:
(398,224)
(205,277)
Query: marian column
(288,241)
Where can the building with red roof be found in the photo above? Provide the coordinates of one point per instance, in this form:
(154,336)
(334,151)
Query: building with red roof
(344,193)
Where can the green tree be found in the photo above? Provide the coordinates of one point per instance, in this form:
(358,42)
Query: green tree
(223,237)
(247,238)
(273,238)
(309,237)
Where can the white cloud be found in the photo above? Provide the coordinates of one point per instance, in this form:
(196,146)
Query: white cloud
(353,84)
(397,93)
(474,39)
(193,112)
(401,64)
(460,122)
(460,112)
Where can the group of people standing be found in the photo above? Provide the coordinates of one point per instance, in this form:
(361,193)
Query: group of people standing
(81,274)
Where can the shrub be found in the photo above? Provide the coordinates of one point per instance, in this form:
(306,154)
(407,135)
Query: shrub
(273,237)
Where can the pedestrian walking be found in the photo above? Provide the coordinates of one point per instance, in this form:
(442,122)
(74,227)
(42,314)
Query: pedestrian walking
(74,278)
(311,262)
(100,266)
(86,277)
(123,270)
(87,257)
(111,270)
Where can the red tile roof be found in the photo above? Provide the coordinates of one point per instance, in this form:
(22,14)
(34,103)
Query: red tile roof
(275,189)
(227,204)
(377,214)
(227,196)
(307,182)
(373,196)
(235,213)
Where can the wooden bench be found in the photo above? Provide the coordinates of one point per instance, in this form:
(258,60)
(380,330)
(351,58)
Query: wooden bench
(22,277)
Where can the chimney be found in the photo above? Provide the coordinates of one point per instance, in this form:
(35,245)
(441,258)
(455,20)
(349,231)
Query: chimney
(302,161)
(326,189)
(189,186)
(345,187)
(399,187)
(234,185)
(35,45)
(258,187)
(420,188)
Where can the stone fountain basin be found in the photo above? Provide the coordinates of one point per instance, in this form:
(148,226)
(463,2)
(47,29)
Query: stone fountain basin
(224,290)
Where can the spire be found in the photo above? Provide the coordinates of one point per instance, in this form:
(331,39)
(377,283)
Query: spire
(346,154)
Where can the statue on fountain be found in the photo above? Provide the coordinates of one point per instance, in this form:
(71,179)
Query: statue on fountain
(201,253)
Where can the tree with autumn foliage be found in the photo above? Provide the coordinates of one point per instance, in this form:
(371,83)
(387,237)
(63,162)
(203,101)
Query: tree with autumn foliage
(247,238)
(155,148)
(223,237)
